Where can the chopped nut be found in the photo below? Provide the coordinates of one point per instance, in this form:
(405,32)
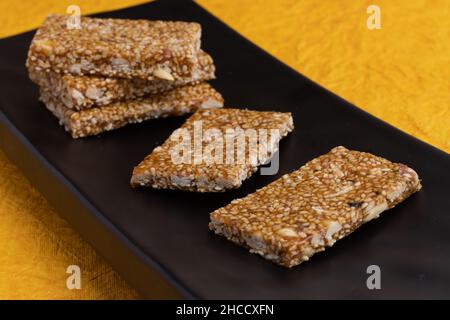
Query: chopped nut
(94,93)
(316,240)
(333,227)
(374,212)
(287,232)
(163,74)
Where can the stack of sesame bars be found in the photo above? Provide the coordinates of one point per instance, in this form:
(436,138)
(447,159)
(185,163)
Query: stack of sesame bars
(107,73)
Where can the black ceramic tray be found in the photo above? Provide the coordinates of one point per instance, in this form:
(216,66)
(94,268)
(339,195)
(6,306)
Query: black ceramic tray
(159,240)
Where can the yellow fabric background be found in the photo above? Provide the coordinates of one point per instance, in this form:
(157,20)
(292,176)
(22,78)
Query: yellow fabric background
(400,74)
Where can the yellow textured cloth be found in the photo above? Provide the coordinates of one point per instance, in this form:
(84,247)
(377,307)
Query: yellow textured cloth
(399,73)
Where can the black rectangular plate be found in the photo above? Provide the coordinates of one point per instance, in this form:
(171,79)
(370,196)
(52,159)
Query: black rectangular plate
(159,240)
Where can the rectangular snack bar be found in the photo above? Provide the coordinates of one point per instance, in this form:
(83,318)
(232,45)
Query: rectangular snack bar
(88,122)
(220,149)
(80,92)
(309,209)
(117,48)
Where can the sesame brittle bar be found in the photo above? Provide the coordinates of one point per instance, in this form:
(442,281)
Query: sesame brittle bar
(226,167)
(93,121)
(80,92)
(117,48)
(308,210)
